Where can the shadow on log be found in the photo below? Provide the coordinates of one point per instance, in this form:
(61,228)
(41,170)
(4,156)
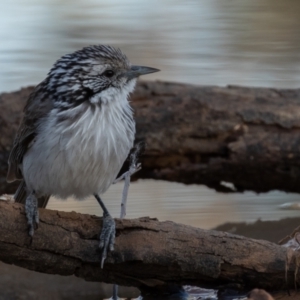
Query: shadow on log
(147,252)
(203,135)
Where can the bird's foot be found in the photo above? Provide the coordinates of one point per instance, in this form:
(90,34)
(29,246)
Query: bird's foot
(107,236)
(32,213)
(132,170)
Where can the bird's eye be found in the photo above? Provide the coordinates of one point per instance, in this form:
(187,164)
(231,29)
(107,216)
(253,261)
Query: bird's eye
(109,73)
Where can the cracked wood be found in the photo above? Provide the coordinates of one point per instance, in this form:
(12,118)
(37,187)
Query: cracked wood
(201,134)
(147,252)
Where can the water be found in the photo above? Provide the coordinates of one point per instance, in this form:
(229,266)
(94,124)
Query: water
(250,42)
(189,204)
(215,42)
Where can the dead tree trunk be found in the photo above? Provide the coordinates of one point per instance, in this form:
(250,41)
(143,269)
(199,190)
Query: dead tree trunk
(205,135)
(147,252)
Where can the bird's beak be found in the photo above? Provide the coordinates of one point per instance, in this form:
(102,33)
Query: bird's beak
(136,71)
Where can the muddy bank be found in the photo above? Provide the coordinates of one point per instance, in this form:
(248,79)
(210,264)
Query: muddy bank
(272,231)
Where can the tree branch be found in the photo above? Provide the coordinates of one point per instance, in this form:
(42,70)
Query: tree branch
(147,252)
(204,135)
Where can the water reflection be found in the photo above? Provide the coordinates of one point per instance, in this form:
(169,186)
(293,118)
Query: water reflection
(189,204)
(196,41)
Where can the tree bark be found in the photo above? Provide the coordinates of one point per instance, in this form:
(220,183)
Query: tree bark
(147,253)
(205,135)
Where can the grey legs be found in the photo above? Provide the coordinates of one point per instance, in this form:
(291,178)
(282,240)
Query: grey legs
(108,232)
(32,212)
(133,168)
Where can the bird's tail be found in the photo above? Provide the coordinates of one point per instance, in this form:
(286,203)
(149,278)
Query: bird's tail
(21,194)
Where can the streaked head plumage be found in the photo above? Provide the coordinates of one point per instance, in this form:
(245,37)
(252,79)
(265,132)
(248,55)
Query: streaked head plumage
(91,74)
(78,76)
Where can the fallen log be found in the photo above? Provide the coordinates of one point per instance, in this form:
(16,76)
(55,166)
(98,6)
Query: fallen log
(249,137)
(147,252)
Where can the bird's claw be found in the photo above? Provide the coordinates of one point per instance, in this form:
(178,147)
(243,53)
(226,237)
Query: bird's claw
(32,213)
(107,237)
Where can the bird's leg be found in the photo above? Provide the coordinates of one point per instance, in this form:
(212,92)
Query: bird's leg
(115,292)
(32,212)
(108,232)
(133,168)
(126,176)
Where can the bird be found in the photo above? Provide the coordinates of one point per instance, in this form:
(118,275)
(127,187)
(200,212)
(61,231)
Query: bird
(77,130)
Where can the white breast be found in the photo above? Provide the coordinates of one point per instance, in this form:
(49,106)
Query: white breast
(80,151)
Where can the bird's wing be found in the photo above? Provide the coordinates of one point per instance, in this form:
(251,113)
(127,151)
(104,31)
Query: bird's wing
(38,106)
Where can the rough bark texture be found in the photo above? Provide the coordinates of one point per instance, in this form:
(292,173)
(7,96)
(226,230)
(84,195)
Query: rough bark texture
(147,252)
(205,135)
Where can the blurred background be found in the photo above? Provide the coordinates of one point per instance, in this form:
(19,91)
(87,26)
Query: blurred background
(250,42)
(215,42)
(202,42)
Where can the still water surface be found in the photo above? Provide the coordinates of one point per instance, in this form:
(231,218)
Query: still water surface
(207,42)
(190,204)
(250,42)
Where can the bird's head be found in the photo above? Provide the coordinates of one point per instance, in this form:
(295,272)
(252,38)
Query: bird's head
(98,74)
